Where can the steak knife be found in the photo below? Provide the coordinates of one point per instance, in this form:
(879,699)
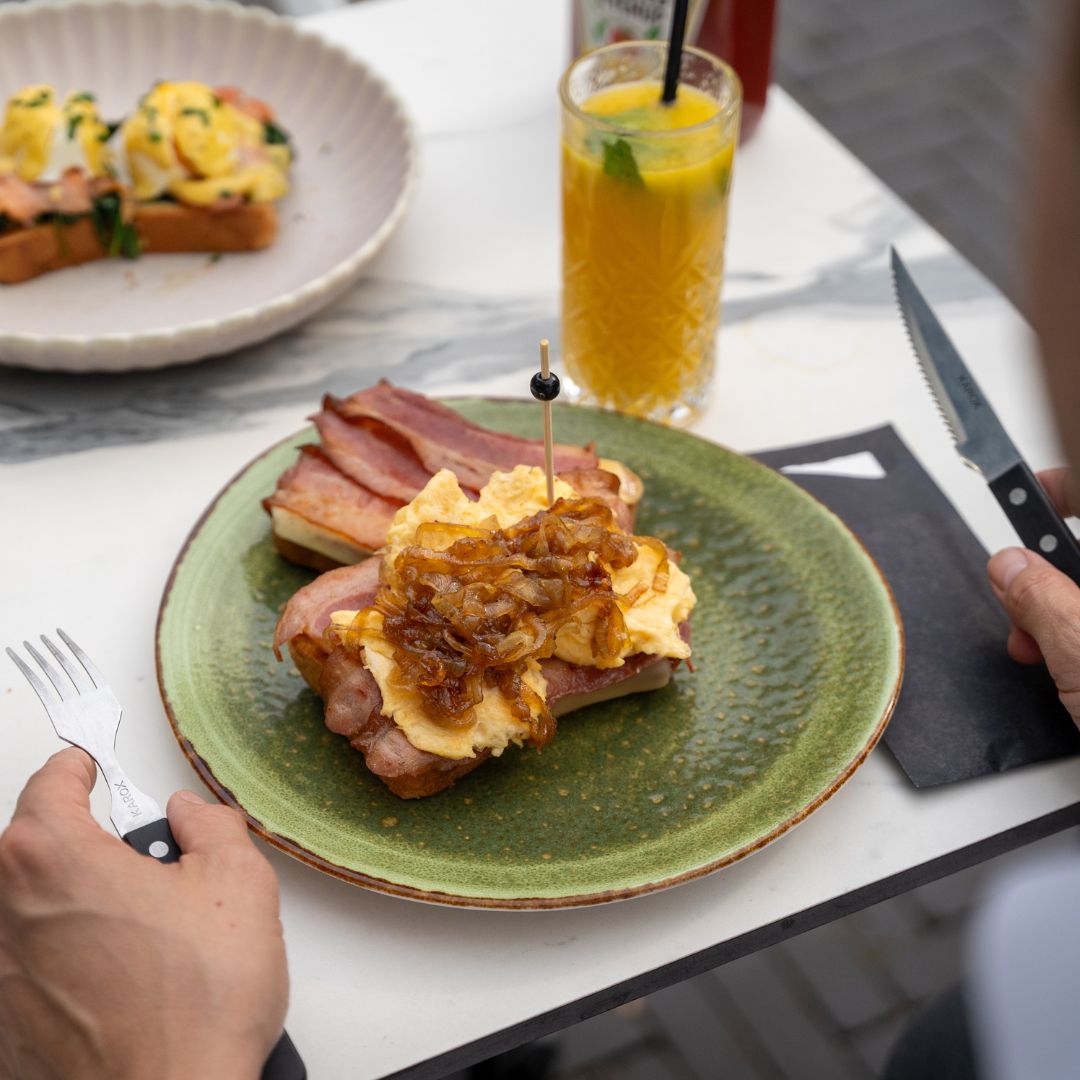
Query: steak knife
(981,441)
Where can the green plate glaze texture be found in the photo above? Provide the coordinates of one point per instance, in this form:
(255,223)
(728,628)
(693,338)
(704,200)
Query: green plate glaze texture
(798,653)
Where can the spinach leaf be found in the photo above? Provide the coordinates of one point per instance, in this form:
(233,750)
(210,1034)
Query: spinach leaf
(275,134)
(117,236)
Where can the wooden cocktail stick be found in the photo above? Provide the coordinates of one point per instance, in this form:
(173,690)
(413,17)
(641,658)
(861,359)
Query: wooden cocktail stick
(545,388)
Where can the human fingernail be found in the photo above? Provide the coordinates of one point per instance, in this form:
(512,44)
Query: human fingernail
(1005,565)
(188,796)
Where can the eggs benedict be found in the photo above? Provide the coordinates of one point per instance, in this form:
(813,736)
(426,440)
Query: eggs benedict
(206,167)
(191,169)
(60,200)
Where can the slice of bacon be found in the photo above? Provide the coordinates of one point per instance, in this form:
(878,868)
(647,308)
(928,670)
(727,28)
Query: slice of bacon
(370,453)
(443,439)
(308,611)
(323,496)
(602,485)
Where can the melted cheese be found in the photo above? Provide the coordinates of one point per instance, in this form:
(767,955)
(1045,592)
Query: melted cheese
(652,619)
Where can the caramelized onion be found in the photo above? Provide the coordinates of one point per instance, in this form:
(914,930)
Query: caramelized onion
(465,607)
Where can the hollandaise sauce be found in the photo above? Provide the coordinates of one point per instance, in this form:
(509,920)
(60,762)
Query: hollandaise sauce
(188,142)
(42,135)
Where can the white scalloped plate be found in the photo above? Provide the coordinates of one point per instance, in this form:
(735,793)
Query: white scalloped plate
(350,185)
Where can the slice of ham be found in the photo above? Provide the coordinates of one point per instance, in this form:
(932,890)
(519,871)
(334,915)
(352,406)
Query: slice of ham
(254,107)
(73,194)
(354,709)
(443,439)
(309,609)
(322,495)
(370,453)
(567,680)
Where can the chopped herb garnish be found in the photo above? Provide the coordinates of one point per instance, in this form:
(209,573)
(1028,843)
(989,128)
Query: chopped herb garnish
(275,134)
(154,136)
(42,97)
(202,114)
(83,95)
(216,100)
(216,257)
(619,162)
(225,193)
(73,124)
(111,127)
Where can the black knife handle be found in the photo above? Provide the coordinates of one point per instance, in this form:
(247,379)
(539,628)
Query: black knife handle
(157,841)
(1037,523)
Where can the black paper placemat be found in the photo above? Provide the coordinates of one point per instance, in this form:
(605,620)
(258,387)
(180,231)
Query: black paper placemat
(965,709)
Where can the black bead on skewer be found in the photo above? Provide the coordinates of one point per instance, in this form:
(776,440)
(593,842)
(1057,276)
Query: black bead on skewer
(545,387)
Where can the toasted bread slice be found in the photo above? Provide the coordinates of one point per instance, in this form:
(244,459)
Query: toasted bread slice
(27,253)
(163,228)
(173,228)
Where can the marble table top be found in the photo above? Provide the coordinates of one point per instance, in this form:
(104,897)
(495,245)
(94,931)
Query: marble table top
(103,477)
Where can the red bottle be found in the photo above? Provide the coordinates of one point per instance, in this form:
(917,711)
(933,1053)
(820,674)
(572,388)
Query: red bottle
(738,31)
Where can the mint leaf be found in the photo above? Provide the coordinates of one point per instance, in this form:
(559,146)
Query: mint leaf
(620,163)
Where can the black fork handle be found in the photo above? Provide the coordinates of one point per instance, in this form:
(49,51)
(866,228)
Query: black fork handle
(157,841)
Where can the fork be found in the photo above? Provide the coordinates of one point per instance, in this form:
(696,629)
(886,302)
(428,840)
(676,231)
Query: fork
(85,713)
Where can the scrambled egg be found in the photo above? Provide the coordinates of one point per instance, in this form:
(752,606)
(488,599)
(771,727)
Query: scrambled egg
(652,619)
(185,141)
(41,137)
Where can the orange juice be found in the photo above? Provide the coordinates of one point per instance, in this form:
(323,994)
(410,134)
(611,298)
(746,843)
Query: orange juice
(645,197)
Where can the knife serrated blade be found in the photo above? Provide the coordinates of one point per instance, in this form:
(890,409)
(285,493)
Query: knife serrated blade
(980,439)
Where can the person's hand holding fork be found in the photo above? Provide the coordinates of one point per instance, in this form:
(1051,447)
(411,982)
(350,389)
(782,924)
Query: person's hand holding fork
(114,965)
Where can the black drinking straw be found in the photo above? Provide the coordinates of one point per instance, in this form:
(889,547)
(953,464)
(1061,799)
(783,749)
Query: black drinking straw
(674,56)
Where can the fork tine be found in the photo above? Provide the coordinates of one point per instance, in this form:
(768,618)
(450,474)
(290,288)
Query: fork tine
(54,676)
(77,676)
(43,690)
(87,663)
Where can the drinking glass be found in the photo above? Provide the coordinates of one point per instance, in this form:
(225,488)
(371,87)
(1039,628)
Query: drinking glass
(644,221)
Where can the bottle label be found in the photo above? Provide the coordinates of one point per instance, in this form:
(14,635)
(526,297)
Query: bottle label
(604,22)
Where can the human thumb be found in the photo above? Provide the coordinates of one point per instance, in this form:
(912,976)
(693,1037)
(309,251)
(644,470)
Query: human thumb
(208,829)
(1046,604)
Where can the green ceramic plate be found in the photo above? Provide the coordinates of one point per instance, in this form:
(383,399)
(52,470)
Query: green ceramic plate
(798,654)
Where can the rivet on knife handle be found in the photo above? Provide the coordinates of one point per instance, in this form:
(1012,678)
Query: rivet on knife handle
(155,840)
(1037,523)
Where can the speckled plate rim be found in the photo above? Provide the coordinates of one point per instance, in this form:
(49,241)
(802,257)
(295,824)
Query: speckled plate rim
(56,351)
(407,892)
